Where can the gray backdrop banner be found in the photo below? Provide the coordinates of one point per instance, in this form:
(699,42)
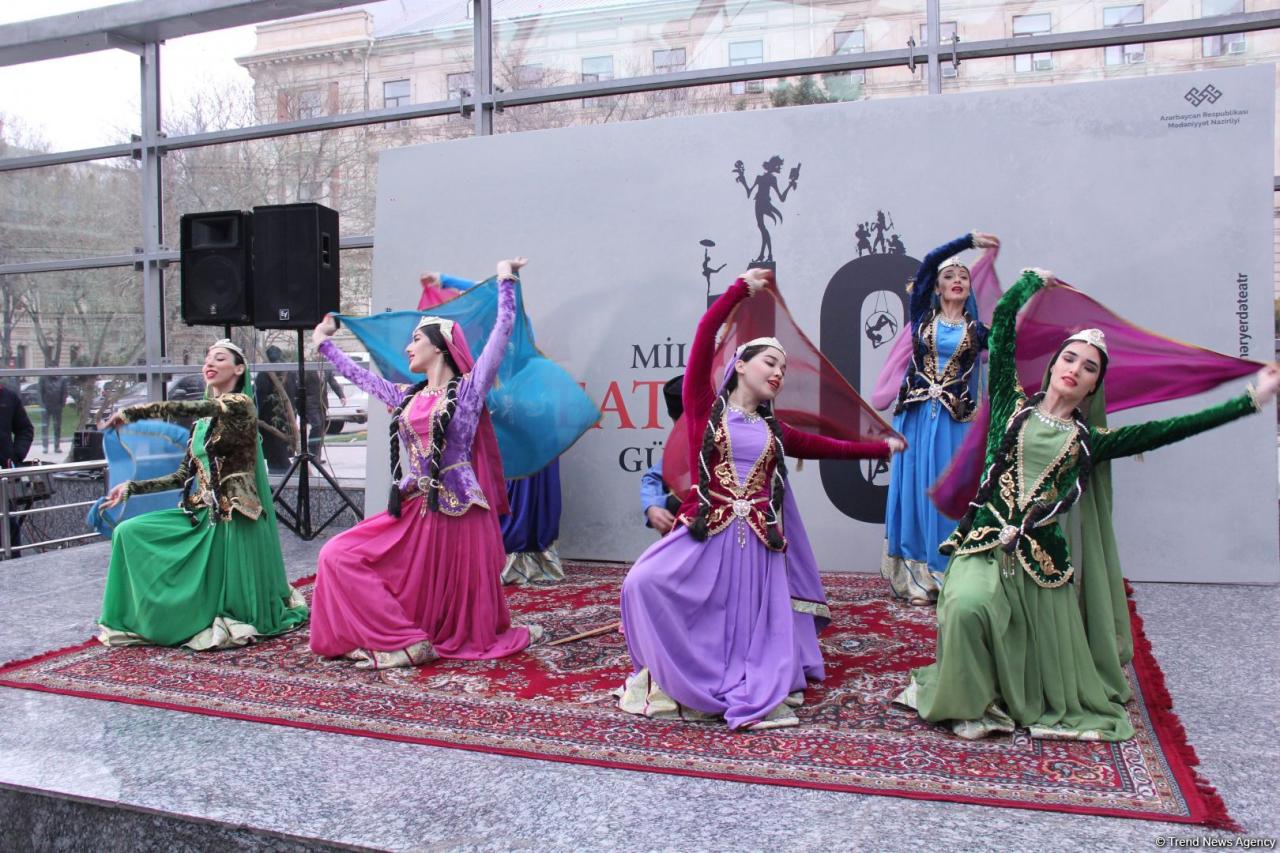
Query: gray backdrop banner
(1153,195)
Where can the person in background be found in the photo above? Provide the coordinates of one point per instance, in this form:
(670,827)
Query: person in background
(656,499)
(16,435)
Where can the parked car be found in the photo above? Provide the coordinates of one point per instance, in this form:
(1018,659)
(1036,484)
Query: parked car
(188,386)
(116,396)
(354,411)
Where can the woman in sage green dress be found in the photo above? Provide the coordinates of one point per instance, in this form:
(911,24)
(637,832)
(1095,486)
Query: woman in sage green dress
(209,573)
(1012,643)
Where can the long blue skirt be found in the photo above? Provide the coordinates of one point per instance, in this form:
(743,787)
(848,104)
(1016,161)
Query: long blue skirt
(913,526)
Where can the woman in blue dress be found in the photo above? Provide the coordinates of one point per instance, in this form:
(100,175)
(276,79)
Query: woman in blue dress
(936,402)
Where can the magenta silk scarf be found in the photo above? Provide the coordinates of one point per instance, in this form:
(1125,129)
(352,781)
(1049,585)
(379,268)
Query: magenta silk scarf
(1143,367)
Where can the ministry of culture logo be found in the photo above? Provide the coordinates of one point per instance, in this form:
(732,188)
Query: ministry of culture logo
(1209,93)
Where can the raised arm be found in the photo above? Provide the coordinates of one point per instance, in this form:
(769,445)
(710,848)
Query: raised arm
(1139,438)
(1002,376)
(370,382)
(927,275)
(164,410)
(697,391)
(807,445)
(486,366)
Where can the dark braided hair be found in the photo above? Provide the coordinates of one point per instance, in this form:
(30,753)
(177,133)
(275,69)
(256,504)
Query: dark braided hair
(698,529)
(440,423)
(1041,511)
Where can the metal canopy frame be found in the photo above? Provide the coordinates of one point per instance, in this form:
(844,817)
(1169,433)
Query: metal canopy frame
(140,27)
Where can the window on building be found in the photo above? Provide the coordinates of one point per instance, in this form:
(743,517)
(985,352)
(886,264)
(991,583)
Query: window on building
(946,35)
(746,53)
(596,69)
(307,103)
(395,93)
(1032,25)
(668,61)
(530,76)
(847,42)
(1123,54)
(456,85)
(1223,45)
(312,191)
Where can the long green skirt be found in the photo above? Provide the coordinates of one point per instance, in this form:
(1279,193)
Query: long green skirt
(1012,652)
(205,586)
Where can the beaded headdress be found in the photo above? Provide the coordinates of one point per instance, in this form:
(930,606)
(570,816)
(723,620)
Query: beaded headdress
(446,326)
(1093,337)
(227,344)
(759,342)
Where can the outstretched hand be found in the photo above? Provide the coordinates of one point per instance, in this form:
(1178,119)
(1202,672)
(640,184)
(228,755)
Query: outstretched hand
(983,240)
(429,279)
(112,421)
(1267,383)
(896,445)
(115,496)
(325,330)
(756,279)
(511,266)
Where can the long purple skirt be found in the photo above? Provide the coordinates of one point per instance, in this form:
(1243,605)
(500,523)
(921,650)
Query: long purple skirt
(714,621)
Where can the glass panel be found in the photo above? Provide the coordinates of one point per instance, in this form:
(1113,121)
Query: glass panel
(812,89)
(79,318)
(69,103)
(1073,66)
(59,405)
(343,431)
(363,58)
(186,344)
(337,168)
(536,45)
(978,21)
(59,212)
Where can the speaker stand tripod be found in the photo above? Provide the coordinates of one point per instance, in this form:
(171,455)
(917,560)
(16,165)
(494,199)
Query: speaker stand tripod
(298,517)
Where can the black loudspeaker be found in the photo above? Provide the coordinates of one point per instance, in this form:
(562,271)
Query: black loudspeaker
(217,271)
(295,261)
(86,445)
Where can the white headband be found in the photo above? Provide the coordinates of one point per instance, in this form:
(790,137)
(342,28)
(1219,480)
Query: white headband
(225,343)
(760,342)
(1093,337)
(446,326)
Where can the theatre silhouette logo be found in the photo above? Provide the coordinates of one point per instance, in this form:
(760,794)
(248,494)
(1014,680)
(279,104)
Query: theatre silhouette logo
(863,310)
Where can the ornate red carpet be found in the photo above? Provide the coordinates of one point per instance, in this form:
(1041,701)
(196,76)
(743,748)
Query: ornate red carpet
(553,703)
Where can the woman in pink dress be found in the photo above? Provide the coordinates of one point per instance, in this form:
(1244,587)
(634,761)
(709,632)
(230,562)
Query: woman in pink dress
(421,580)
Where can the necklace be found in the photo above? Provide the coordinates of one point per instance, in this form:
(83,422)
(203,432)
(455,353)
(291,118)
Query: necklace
(435,392)
(956,324)
(749,417)
(1060,424)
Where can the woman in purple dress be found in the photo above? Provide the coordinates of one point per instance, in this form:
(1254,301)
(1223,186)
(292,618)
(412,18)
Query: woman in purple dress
(722,615)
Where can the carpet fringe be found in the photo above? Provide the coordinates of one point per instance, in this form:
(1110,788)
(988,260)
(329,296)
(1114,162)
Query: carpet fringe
(1166,724)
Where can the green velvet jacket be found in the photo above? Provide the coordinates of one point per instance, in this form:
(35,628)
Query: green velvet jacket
(232,452)
(1043,553)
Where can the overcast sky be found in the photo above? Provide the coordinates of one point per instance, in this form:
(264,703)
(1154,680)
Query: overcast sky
(91,100)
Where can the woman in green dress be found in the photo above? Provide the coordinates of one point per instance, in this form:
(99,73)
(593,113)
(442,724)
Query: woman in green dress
(208,574)
(1012,643)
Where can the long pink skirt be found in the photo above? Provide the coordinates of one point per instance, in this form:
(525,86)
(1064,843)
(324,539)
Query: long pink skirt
(388,583)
